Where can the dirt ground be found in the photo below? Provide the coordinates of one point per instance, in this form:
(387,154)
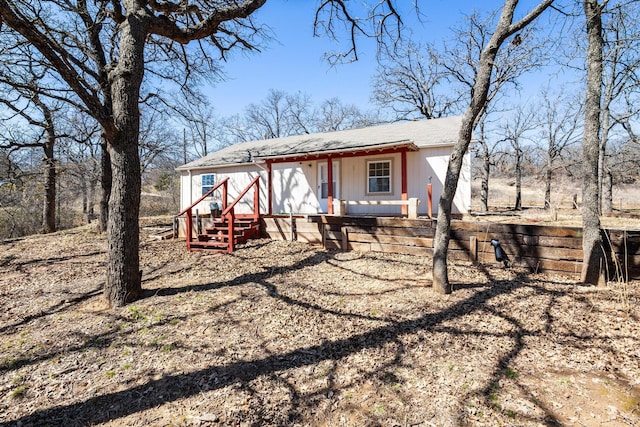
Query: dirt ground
(283,333)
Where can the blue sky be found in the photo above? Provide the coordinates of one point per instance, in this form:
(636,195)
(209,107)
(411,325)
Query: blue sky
(293,62)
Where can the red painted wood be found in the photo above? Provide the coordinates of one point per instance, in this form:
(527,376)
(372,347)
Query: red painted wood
(330,185)
(403,166)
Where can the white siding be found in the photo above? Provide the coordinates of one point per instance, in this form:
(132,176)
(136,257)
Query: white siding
(354,184)
(295,183)
(433,162)
(239,178)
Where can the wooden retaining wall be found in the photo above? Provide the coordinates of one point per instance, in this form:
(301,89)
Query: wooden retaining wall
(538,248)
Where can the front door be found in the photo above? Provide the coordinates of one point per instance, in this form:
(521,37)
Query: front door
(323,184)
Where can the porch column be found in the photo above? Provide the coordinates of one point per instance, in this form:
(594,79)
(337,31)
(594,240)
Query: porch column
(269,189)
(405,195)
(330,185)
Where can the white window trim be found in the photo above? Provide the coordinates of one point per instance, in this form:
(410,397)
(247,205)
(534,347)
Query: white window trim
(376,193)
(208,187)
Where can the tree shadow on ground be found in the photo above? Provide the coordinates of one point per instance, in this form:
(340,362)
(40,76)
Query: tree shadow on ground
(170,388)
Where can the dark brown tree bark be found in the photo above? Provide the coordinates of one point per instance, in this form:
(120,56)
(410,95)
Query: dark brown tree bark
(49,208)
(123,275)
(593,267)
(105,185)
(547,185)
(135,22)
(504,29)
(484,184)
(518,170)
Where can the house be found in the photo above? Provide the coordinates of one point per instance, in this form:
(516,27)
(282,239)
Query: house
(378,170)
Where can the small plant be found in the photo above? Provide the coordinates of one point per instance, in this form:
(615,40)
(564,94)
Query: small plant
(110,374)
(510,373)
(19,391)
(493,395)
(510,413)
(136,313)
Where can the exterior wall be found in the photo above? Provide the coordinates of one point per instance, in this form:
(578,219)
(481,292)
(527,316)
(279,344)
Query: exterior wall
(354,184)
(433,162)
(294,188)
(295,184)
(239,178)
(425,163)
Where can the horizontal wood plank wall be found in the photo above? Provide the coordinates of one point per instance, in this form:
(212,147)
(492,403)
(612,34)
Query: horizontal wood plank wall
(538,248)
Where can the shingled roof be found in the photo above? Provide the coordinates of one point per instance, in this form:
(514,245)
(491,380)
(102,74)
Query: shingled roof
(416,134)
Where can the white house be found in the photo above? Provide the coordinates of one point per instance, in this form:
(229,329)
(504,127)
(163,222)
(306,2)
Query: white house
(375,170)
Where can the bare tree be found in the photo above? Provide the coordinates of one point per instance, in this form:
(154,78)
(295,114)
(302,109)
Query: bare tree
(592,244)
(278,115)
(23,97)
(515,132)
(333,115)
(560,121)
(69,44)
(489,152)
(621,81)
(505,28)
(411,82)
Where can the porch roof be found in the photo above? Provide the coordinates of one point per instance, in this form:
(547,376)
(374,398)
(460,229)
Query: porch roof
(408,136)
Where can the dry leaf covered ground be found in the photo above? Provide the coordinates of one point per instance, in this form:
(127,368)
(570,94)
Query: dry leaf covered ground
(282,333)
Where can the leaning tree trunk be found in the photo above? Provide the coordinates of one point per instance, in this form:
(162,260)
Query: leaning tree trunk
(123,270)
(478,103)
(592,244)
(49,208)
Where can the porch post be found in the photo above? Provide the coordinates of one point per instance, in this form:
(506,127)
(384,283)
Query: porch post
(330,185)
(405,195)
(269,189)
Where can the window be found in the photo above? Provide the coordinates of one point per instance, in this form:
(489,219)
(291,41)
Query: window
(208,181)
(379,174)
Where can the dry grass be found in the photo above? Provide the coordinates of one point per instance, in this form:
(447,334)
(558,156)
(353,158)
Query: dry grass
(281,333)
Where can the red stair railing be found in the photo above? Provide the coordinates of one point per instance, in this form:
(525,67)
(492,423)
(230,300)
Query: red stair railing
(230,215)
(188,211)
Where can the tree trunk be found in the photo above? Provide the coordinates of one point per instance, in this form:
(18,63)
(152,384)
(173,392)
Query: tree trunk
(518,205)
(592,244)
(105,185)
(607,191)
(484,190)
(123,273)
(547,186)
(478,103)
(49,208)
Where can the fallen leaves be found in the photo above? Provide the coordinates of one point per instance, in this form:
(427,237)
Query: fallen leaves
(282,333)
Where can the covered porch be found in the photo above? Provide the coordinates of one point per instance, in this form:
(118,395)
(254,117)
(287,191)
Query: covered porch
(330,175)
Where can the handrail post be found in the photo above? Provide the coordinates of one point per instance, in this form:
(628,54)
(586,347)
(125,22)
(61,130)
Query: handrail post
(189,231)
(232,243)
(224,195)
(256,202)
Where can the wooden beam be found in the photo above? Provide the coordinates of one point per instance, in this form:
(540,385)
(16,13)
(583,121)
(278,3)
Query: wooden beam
(269,189)
(330,185)
(403,167)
